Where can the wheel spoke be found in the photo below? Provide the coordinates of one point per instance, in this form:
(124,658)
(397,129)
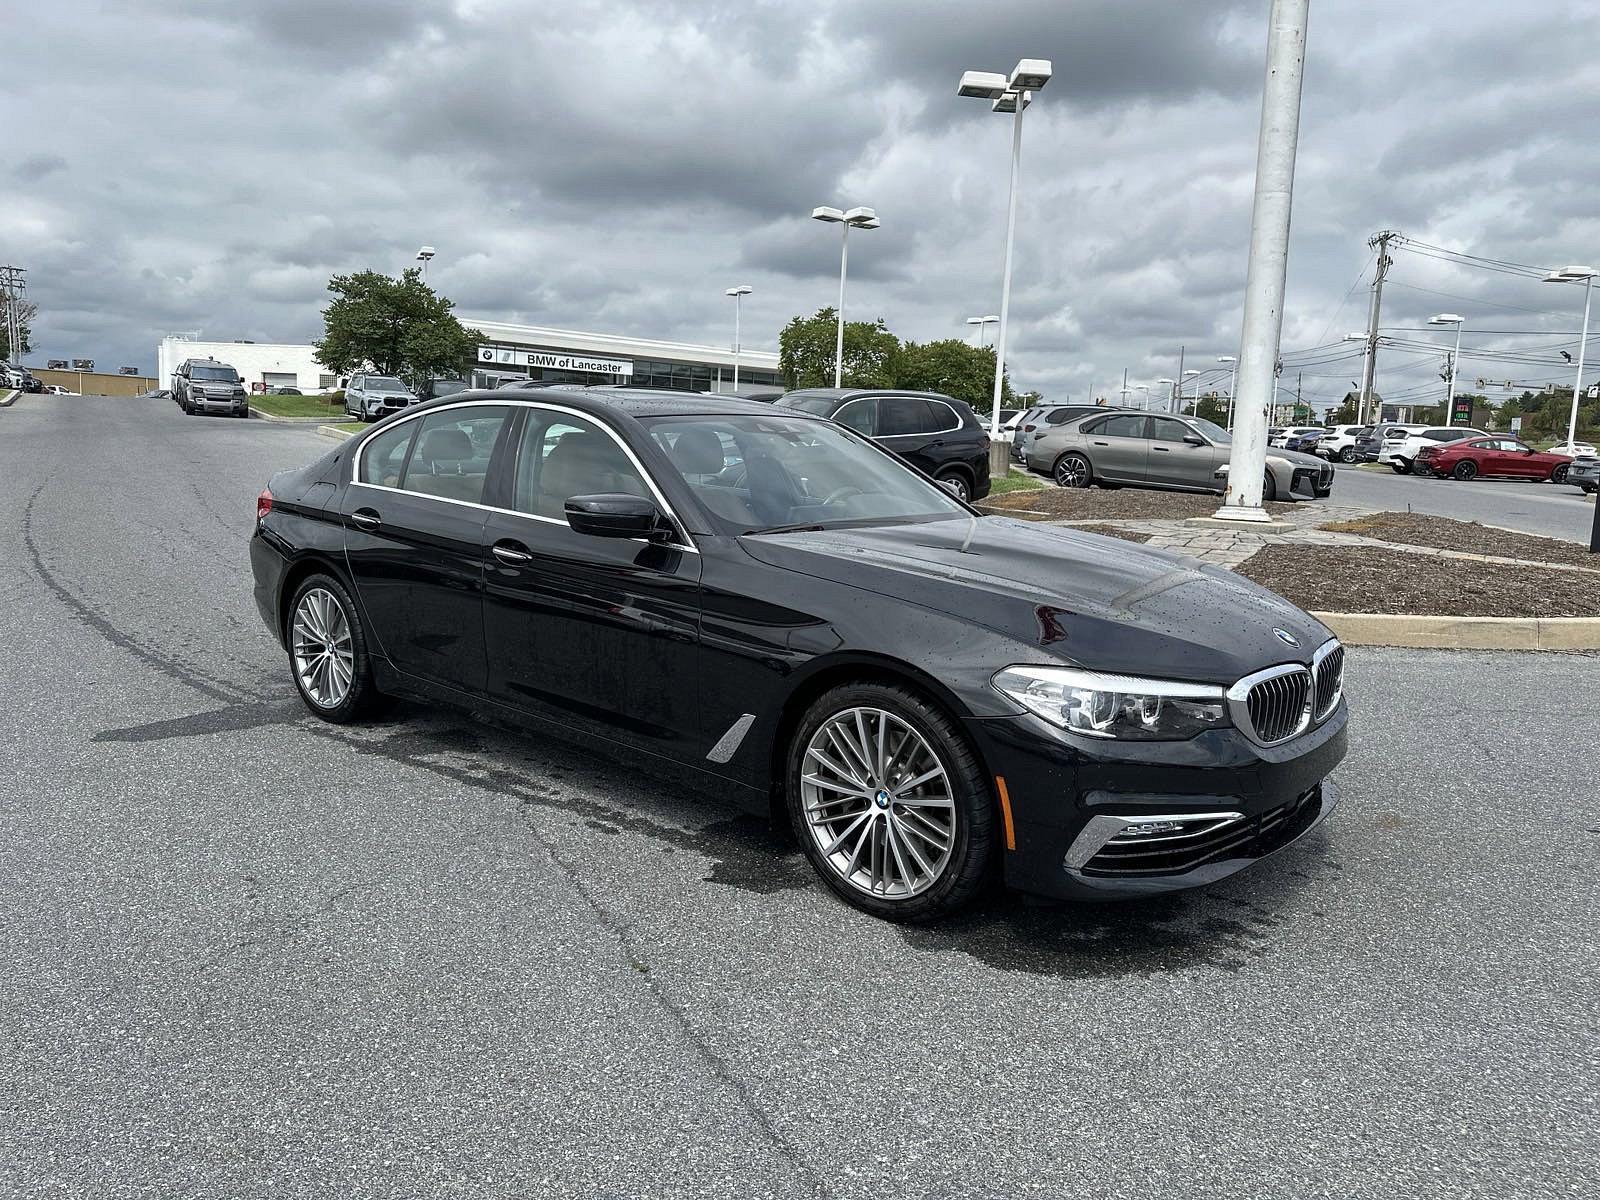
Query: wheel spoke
(908,880)
(864,743)
(841,771)
(917,824)
(849,829)
(934,800)
(842,741)
(911,847)
(843,789)
(934,773)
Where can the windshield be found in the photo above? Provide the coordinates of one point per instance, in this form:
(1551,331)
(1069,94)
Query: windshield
(1211,431)
(223,374)
(761,474)
(384,383)
(823,406)
(448,387)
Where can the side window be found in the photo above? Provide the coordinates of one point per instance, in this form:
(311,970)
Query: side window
(1164,429)
(1059,416)
(905,414)
(564,455)
(860,415)
(1129,425)
(384,457)
(454,445)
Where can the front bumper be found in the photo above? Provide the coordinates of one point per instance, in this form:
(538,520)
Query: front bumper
(227,404)
(1058,784)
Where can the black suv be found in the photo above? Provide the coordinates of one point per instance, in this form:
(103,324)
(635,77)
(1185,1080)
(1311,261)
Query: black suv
(206,385)
(936,434)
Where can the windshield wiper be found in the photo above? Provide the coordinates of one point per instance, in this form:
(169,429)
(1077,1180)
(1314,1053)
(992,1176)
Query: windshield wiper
(808,527)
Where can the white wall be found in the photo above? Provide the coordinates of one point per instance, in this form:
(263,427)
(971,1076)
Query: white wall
(249,359)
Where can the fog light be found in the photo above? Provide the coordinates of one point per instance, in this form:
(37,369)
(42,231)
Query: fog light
(1149,829)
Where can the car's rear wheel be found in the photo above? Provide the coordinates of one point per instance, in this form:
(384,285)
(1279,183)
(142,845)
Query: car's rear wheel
(1559,475)
(328,651)
(1072,471)
(1347,455)
(1400,466)
(957,482)
(890,802)
(1465,469)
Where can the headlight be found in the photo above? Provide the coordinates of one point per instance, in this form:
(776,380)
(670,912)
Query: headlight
(1115,706)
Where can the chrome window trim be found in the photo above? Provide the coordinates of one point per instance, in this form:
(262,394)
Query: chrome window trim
(684,540)
(954,416)
(1238,697)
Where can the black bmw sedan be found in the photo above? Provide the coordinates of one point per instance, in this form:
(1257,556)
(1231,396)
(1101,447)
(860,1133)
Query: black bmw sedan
(930,697)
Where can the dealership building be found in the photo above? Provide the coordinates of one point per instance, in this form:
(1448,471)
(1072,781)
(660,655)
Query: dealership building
(507,351)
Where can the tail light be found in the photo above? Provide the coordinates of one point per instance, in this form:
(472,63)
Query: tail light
(986,441)
(263,505)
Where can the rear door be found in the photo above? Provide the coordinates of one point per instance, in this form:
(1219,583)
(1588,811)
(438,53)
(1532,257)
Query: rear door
(413,516)
(1177,463)
(1118,446)
(600,634)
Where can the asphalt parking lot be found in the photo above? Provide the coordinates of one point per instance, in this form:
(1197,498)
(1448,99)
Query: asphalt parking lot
(249,954)
(1542,508)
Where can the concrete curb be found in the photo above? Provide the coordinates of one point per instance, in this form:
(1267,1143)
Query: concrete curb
(338,435)
(277,420)
(1464,633)
(8,398)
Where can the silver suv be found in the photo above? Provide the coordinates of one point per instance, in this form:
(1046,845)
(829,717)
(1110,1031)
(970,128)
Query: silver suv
(202,385)
(372,396)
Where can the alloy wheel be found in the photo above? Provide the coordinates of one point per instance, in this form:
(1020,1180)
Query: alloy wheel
(878,803)
(1072,472)
(1559,475)
(324,654)
(957,485)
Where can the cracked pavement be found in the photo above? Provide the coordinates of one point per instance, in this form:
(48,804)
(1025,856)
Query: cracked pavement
(246,954)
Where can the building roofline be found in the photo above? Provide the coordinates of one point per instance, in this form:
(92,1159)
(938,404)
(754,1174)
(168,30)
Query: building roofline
(630,347)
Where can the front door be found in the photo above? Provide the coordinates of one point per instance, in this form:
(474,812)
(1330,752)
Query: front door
(413,517)
(1177,463)
(597,633)
(1119,447)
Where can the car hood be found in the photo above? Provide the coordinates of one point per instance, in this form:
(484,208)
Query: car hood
(1296,458)
(1097,602)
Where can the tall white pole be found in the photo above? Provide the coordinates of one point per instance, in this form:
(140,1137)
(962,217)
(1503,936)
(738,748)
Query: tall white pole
(1577,384)
(1005,279)
(736,299)
(1233,386)
(838,344)
(1269,258)
(1455,365)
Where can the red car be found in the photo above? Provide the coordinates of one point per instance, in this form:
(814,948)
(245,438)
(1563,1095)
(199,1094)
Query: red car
(1491,456)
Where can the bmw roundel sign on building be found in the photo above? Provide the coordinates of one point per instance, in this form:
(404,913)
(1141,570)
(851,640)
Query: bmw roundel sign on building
(554,360)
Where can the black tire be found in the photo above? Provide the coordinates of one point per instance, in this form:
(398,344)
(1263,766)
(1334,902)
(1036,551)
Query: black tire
(1072,470)
(959,480)
(1586,488)
(1400,466)
(1559,475)
(363,697)
(975,844)
(1347,455)
(1269,488)
(1464,470)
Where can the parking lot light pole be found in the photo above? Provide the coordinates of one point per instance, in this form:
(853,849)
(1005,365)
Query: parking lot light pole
(738,293)
(1144,398)
(1455,360)
(1171,386)
(982,323)
(859,218)
(1187,375)
(423,255)
(1008,95)
(1585,276)
(1269,258)
(1233,381)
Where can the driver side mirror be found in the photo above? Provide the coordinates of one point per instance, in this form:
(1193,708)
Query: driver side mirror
(615,515)
(1193,439)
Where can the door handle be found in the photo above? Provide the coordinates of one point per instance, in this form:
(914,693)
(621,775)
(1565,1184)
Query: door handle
(1163,449)
(365,518)
(1102,443)
(510,553)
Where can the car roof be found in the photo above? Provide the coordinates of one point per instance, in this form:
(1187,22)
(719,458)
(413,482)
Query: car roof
(849,393)
(631,402)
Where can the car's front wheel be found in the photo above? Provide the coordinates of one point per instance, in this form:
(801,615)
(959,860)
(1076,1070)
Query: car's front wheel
(328,651)
(1072,471)
(890,803)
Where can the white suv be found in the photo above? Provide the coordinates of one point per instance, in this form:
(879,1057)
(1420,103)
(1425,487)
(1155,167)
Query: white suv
(1400,453)
(1339,442)
(371,396)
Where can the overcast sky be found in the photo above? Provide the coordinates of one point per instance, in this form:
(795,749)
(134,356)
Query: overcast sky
(614,166)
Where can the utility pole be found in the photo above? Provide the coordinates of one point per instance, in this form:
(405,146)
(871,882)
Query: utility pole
(1299,382)
(1369,369)
(1124,387)
(14,281)
(1179,385)
(1269,258)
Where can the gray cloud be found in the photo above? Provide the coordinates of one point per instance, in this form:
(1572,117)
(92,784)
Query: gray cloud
(616,166)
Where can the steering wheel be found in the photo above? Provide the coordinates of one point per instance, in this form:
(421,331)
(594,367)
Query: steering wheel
(838,494)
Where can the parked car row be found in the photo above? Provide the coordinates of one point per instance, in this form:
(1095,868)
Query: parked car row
(17,376)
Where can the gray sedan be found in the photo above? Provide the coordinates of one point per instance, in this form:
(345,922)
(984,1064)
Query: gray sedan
(1584,473)
(1164,451)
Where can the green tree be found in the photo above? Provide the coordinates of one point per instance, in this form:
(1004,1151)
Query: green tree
(26,312)
(806,346)
(1029,399)
(394,327)
(1212,407)
(957,369)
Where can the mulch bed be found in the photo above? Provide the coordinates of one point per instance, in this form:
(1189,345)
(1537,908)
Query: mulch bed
(1119,504)
(1441,533)
(1366,579)
(1127,535)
